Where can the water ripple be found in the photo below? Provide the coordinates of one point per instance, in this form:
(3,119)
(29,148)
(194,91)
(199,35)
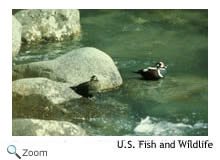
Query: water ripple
(155,127)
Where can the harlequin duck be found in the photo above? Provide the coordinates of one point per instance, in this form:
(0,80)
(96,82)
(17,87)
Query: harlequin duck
(88,89)
(153,73)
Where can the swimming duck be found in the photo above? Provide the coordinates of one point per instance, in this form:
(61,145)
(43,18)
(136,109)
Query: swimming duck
(88,89)
(153,73)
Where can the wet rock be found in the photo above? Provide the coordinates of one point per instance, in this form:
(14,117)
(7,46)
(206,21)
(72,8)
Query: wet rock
(35,106)
(40,98)
(75,67)
(48,24)
(35,127)
(16,36)
(55,92)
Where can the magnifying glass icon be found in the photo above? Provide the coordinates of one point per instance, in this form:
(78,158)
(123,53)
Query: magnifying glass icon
(12,150)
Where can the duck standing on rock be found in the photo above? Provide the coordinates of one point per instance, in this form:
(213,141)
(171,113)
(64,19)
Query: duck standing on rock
(88,89)
(153,73)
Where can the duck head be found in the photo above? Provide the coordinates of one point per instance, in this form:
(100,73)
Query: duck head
(94,78)
(160,65)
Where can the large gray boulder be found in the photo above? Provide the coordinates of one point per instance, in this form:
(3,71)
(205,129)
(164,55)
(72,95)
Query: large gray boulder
(35,127)
(49,24)
(75,67)
(55,92)
(16,36)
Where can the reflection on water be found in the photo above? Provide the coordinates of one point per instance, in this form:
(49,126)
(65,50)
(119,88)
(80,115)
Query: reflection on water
(176,105)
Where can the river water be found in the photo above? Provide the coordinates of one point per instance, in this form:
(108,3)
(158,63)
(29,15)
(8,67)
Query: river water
(176,105)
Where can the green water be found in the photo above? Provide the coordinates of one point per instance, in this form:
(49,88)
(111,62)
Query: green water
(176,105)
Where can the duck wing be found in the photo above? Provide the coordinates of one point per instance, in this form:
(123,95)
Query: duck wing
(151,74)
(82,89)
(141,71)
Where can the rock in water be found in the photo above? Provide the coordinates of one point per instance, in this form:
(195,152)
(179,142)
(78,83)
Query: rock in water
(55,92)
(36,127)
(16,36)
(48,24)
(75,67)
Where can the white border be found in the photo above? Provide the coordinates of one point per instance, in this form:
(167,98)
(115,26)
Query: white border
(105,147)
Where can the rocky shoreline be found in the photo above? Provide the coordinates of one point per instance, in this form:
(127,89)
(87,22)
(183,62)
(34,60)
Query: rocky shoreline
(50,80)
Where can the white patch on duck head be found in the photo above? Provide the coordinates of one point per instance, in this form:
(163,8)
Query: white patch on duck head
(161,65)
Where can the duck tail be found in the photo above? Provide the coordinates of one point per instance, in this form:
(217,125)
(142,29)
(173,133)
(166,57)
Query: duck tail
(73,88)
